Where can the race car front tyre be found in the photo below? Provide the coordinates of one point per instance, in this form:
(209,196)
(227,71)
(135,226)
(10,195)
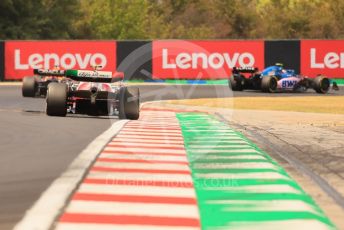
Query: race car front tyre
(269,84)
(129,103)
(29,87)
(321,84)
(235,84)
(57,99)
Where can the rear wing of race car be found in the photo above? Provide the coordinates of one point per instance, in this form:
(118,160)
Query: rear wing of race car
(94,76)
(49,72)
(237,70)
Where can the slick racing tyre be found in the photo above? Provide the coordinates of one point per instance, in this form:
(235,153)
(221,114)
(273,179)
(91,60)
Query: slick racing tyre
(29,87)
(321,84)
(269,84)
(57,99)
(129,103)
(44,87)
(236,85)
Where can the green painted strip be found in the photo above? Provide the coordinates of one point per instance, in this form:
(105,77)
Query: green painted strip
(237,184)
(217,82)
(339,81)
(226,220)
(176,81)
(223,195)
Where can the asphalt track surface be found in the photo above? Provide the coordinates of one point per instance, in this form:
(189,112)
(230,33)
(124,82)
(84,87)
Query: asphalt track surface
(35,149)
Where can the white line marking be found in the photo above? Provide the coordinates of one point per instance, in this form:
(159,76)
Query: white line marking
(43,213)
(267,206)
(139,145)
(241,157)
(147,157)
(142,150)
(111,178)
(236,165)
(163,130)
(229,151)
(149,125)
(278,188)
(133,132)
(149,137)
(148,166)
(209,147)
(217,142)
(153,122)
(132,209)
(277,224)
(203,137)
(139,189)
(223,151)
(260,175)
(139,141)
(224,131)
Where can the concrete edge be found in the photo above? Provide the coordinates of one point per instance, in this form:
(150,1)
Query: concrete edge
(47,208)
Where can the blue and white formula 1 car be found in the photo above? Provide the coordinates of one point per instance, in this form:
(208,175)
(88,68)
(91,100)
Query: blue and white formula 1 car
(276,79)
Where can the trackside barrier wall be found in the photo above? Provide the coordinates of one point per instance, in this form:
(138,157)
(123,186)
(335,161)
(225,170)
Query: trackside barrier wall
(134,58)
(23,56)
(190,59)
(322,57)
(2,60)
(285,51)
(162,60)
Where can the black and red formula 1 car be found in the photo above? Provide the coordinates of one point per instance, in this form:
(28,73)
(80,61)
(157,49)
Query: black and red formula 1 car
(37,85)
(93,92)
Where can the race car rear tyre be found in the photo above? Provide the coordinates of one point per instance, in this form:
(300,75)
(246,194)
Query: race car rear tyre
(57,99)
(269,84)
(321,84)
(29,87)
(234,84)
(129,103)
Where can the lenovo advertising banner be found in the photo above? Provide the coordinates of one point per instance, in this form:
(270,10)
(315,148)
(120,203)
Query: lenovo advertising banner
(21,57)
(322,57)
(2,60)
(187,59)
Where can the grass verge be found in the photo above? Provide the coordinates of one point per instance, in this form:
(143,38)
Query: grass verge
(328,104)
